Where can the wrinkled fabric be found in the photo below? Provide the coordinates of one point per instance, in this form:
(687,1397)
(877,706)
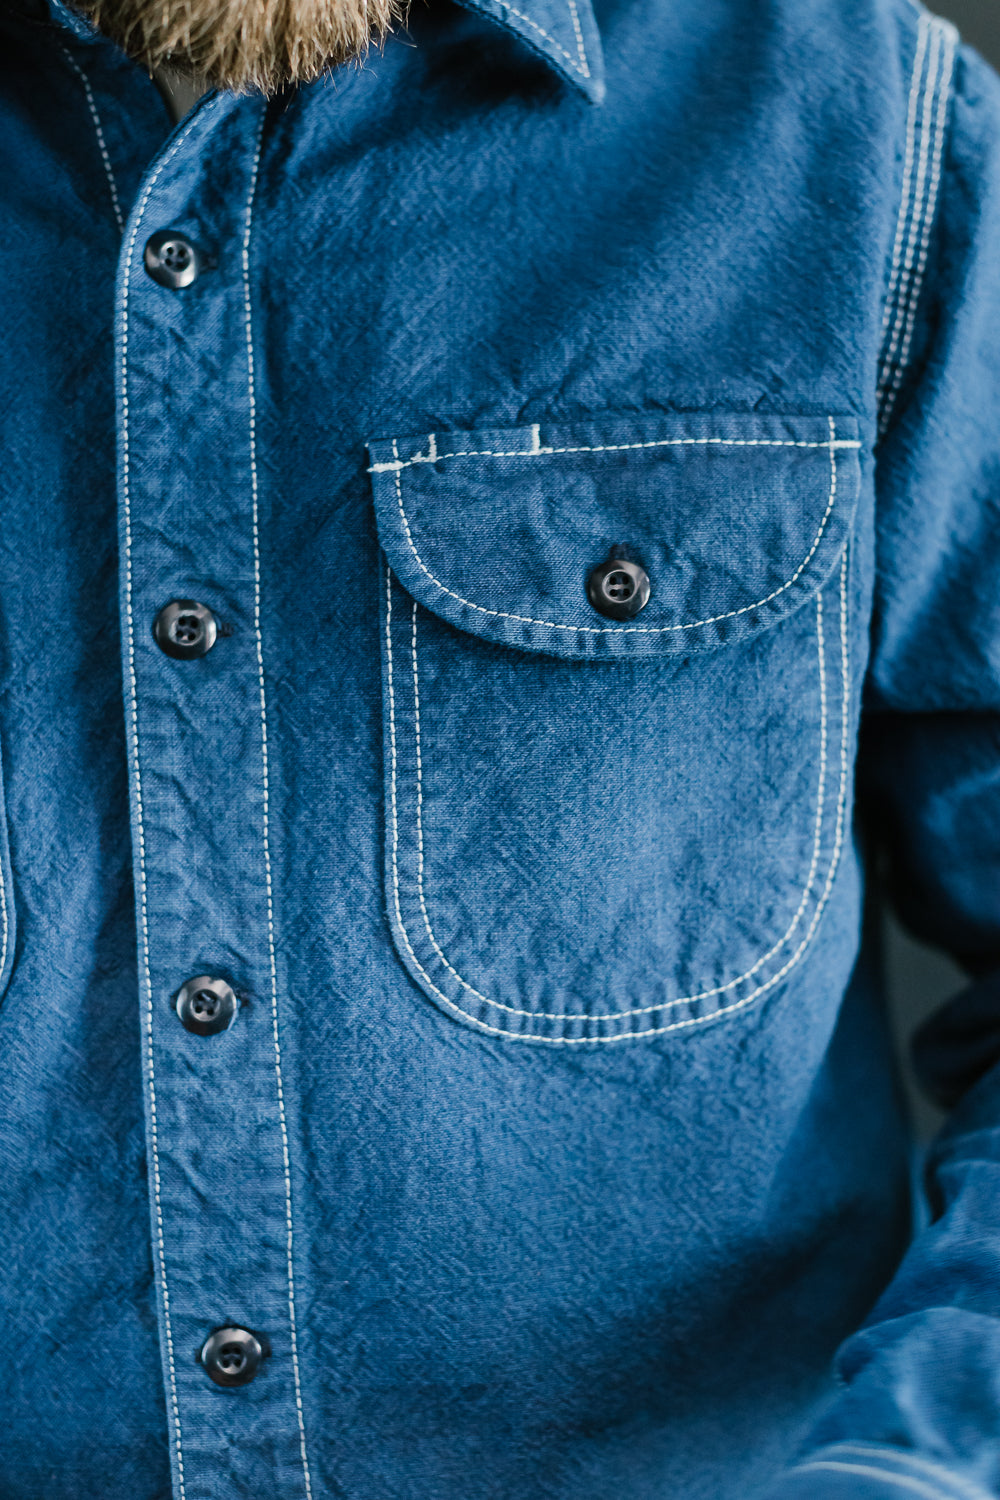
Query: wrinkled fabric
(556,1149)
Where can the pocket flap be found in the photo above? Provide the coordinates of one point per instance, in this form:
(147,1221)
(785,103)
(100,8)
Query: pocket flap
(737,519)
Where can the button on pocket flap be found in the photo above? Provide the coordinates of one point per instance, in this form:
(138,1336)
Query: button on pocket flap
(722,525)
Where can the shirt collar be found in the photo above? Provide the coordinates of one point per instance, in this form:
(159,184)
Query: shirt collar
(71,20)
(564,32)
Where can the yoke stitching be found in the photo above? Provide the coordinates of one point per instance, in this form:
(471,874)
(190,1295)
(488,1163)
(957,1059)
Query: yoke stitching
(926,92)
(583,69)
(923,251)
(923,31)
(266,825)
(732,614)
(174,1415)
(907,293)
(95,116)
(564,1041)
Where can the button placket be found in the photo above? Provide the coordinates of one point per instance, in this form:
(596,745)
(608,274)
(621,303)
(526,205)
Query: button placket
(215,1124)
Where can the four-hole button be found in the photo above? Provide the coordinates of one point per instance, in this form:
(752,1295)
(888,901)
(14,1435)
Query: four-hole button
(206,1005)
(231,1356)
(185,629)
(618,588)
(171,259)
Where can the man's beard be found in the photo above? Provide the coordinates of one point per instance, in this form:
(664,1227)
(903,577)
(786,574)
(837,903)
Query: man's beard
(244,45)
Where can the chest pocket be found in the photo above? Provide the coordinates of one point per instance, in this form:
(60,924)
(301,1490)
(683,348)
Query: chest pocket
(604,829)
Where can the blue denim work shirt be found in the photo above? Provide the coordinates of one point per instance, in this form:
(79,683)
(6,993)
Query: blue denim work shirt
(555,1150)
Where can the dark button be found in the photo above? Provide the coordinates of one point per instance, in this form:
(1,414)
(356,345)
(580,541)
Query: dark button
(231,1356)
(171,259)
(618,588)
(206,1005)
(184,628)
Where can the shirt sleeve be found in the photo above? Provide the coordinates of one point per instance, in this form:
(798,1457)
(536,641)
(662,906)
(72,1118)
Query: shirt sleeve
(918,1412)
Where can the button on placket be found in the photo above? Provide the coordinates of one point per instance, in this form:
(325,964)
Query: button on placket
(206,1005)
(232,1356)
(172,260)
(185,629)
(189,527)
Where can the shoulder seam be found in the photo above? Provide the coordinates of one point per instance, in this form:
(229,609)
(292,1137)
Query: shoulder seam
(926,120)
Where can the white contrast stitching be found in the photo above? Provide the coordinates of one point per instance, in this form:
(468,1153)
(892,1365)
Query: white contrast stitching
(578,31)
(499,614)
(923,31)
(910,208)
(420,810)
(649,1031)
(874,1450)
(174,1414)
(906,283)
(265,781)
(576,66)
(538,451)
(903,1481)
(105,157)
(904,1456)
(928,224)
(5,918)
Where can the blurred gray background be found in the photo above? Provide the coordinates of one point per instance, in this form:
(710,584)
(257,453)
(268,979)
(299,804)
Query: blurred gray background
(978,21)
(920,978)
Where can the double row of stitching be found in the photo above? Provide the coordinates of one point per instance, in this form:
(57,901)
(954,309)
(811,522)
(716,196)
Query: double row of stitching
(580,66)
(493,1007)
(833,445)
(926,118)
(899,1466)
(578,33)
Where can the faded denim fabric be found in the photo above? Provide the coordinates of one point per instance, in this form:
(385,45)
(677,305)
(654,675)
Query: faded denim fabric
(556,1149)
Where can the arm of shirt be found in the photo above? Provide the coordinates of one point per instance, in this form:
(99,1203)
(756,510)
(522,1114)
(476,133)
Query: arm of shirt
(919,1409)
